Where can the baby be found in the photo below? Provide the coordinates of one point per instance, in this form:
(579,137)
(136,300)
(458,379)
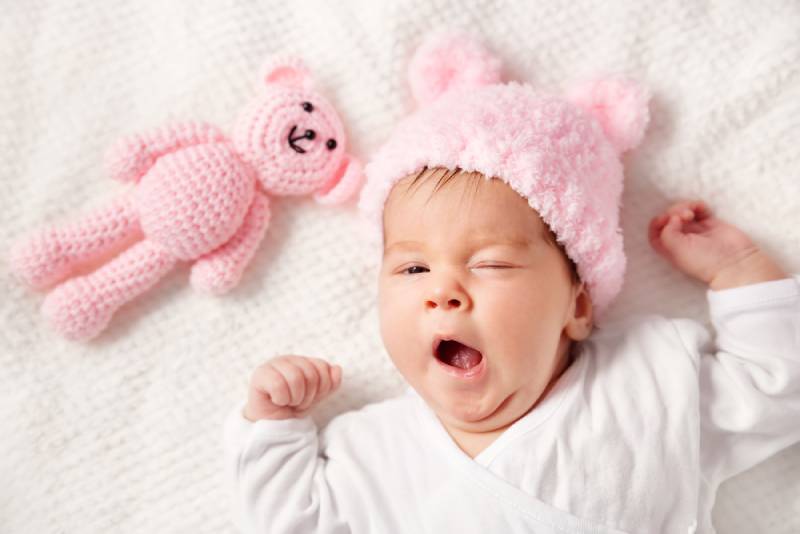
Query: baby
(497,209)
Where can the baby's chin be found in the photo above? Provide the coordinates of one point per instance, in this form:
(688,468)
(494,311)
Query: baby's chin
(479,415)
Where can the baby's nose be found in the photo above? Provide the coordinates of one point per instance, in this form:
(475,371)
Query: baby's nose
(449,303)
(447,295)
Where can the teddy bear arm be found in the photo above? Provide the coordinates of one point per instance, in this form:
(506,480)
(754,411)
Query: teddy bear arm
(221,269)
(132,156)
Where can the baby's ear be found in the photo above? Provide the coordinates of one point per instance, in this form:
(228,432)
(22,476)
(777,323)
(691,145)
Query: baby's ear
(619,104)
(285,70)
(448,60)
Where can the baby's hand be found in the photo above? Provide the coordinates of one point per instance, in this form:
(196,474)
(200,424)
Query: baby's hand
(708,248)
(289,386)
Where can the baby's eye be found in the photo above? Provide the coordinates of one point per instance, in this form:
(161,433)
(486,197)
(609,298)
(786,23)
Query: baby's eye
(408,270)
(492,266)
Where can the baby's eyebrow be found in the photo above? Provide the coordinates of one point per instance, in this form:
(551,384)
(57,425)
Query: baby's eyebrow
(514,241)
(401,244)
(479,241)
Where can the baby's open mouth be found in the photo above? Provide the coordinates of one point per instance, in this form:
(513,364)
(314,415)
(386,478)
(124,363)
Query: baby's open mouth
(456,354)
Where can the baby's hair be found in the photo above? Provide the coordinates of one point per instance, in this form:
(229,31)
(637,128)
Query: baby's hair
(446,175)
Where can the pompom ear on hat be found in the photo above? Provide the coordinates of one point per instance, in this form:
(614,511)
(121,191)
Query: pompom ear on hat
(450,60)
(619,105)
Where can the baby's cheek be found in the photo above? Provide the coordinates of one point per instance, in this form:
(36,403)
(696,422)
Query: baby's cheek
(505,300)
(390,317)
(399,329)
(517,319)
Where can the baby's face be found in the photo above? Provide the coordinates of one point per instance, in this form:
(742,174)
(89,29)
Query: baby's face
(475,266)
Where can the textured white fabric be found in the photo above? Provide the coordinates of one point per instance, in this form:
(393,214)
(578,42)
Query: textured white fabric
(635,436)
(122,434)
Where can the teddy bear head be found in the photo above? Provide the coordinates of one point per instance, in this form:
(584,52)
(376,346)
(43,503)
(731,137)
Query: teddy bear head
(294,139)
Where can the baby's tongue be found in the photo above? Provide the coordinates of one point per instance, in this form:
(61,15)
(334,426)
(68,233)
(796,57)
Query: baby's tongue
(461,356)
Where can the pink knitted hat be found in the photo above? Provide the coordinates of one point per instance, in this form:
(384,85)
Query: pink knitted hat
(561,153)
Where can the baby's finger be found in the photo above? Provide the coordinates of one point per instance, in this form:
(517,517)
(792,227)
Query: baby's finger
(654,231)
(689,209)
(269,381)
(658,222)
(312,382)
(672,234)
(701,210)
(336,376)
(295,379)
(325,382)
(681,209)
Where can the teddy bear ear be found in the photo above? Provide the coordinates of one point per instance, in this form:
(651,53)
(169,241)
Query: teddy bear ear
(449,60)
(285,70)
(347,181)
(620,105)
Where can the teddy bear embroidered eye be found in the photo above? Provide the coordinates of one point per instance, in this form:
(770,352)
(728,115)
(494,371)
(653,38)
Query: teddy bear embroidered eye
(198,196)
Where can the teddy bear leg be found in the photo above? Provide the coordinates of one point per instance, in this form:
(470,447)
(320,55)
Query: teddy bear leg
(81,307)
(49,255)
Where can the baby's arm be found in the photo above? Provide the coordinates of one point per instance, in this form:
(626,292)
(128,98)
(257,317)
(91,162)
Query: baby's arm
(750,375)
(273,460)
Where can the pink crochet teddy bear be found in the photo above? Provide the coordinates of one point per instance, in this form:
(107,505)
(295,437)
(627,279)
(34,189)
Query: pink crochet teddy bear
(199,196)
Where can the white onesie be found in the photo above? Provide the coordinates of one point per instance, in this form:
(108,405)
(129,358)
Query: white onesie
(636,436)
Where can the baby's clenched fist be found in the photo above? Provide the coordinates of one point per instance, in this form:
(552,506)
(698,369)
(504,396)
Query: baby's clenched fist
(289,386)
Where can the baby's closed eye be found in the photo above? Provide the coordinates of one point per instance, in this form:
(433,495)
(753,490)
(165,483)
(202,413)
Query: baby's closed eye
(494,266)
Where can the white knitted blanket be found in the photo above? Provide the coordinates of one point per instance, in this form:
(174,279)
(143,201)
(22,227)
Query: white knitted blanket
(123,434)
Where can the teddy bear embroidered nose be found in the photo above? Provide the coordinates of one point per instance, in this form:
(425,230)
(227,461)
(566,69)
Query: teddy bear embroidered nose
(308,134)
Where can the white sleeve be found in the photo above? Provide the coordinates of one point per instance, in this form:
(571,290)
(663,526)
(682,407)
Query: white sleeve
(276,477)
(750,379)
